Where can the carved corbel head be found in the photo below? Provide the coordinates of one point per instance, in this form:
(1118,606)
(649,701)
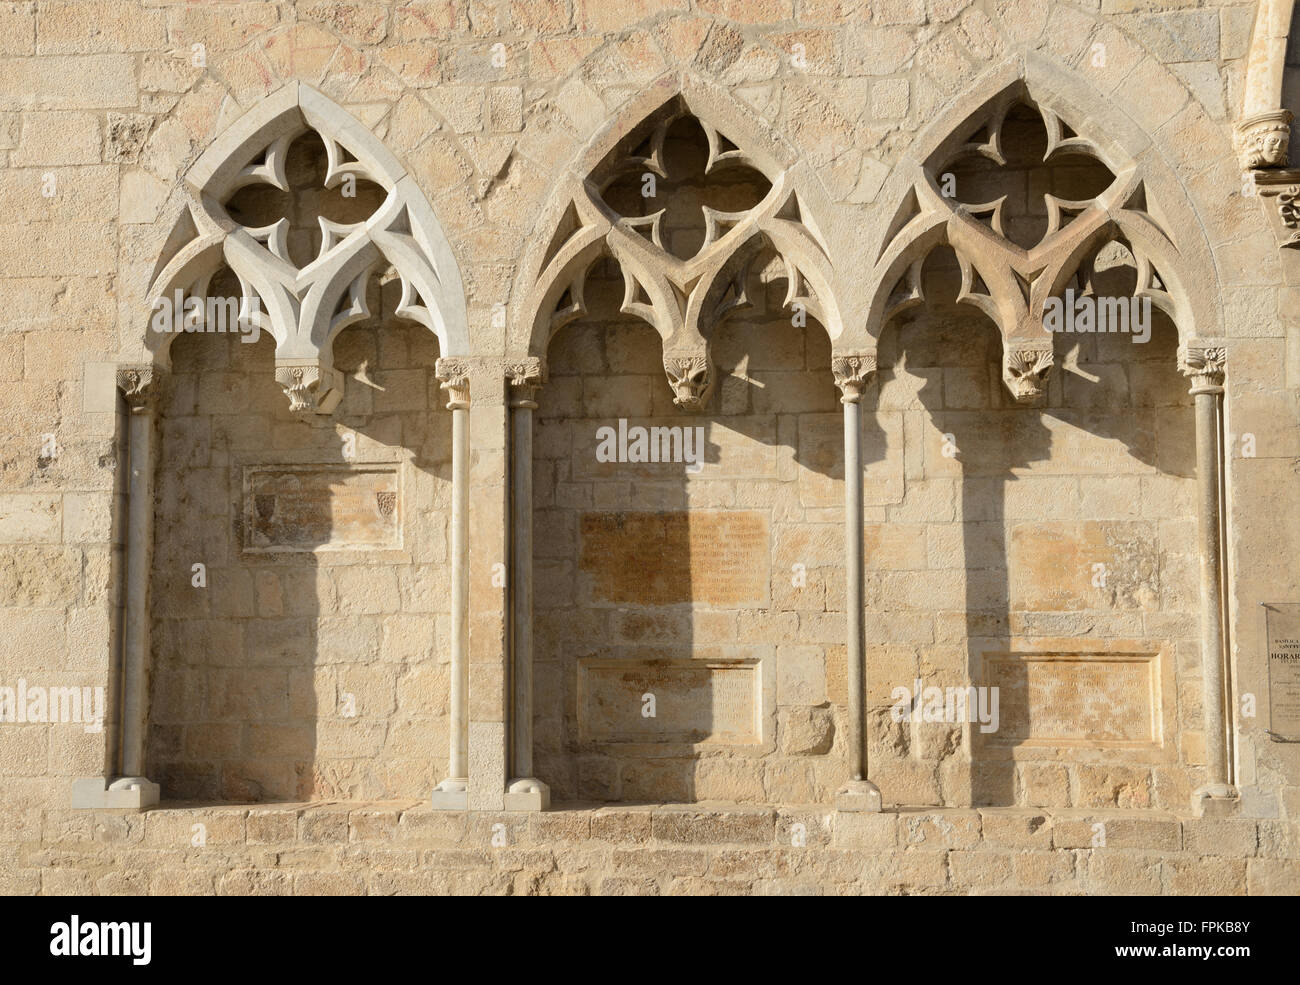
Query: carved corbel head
(853,372)
(691,376)
(1263,139)
(1025,368)
(312,386)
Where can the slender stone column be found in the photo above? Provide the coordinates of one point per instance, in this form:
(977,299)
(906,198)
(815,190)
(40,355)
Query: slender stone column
(852,374)
(1205,365)
(453,792)
(132,789)
(525,793)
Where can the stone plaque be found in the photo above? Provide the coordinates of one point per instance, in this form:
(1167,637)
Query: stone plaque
(1094,700)
(309,507)
(1282,623)
(712,558)
(717,702)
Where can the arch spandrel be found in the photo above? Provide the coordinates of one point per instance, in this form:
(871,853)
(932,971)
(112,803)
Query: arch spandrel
(1144,205)
(305,307)
(681,298)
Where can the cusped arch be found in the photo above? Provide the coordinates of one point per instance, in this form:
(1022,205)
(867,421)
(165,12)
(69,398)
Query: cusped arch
(304,308)
(1144,206)
(683,299)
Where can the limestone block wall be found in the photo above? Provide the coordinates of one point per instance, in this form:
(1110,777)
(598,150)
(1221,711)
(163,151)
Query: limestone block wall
(104,107)
(311,663)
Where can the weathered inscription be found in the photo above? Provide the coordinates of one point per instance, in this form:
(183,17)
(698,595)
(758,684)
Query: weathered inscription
(711,558)
(1075,699)
(1283,624)
(693,701)
(302,508)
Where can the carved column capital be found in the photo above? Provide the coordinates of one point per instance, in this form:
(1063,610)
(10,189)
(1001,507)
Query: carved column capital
(1205,363)
(137,385)
(853,371)
(311,386)
(523,378)
(1025,368)
(1263,139)
(690,374)
(454,377)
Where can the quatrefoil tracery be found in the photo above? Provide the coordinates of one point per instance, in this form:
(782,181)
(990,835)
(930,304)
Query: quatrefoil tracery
(305,307)
(1009,281)
(682,297)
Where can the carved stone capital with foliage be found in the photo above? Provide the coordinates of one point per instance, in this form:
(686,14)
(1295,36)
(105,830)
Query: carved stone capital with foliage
(310,386)
(523,378)
(1205,364)
(1025,368)
(137,385)
(853,372)
(453,375)
(690,374)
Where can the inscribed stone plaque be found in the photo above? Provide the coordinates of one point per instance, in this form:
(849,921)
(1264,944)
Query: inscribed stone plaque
(1282,622)
(1105,700)
(713,558)
(304,508)
(695,701)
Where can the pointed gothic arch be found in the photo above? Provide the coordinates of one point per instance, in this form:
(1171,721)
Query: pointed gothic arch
(304,308)
(682,298)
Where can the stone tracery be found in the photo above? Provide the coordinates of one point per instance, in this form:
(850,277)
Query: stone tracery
(304,305)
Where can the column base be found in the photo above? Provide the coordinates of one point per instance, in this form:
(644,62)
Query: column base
(451,794)
(528,795)
(1215,800)
(129,792)
(858,795)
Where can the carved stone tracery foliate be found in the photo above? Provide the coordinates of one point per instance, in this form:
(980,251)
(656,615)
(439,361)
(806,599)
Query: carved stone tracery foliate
(682,294)
(304,307)
(1015,282)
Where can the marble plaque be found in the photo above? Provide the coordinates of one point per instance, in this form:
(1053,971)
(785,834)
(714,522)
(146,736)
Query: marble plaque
(1093,700)
(309,507)
(1282,620)
(715,702)
(708,557)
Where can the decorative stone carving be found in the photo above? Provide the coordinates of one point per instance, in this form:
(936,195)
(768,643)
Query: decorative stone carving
(691,377)
(1289,210)
(308,385)
(682,297)
(1263,139)
(1205,364)
(136,384)
(523,379)
(453,375)
(1015,283)
(304,308)
(1025,370)
(853,371)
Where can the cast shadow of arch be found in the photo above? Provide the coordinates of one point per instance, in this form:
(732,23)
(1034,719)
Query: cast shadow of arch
(649,565)
(941,366)
(312,666)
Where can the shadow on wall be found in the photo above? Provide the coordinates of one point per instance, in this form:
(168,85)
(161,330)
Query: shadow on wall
(309,659)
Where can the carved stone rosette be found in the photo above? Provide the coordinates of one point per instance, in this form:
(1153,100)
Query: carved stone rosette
(691,376)
(1205,364)
(1263,139)
(136,384)
(523,378)
(453,374)
(853,371)
(1025,368)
